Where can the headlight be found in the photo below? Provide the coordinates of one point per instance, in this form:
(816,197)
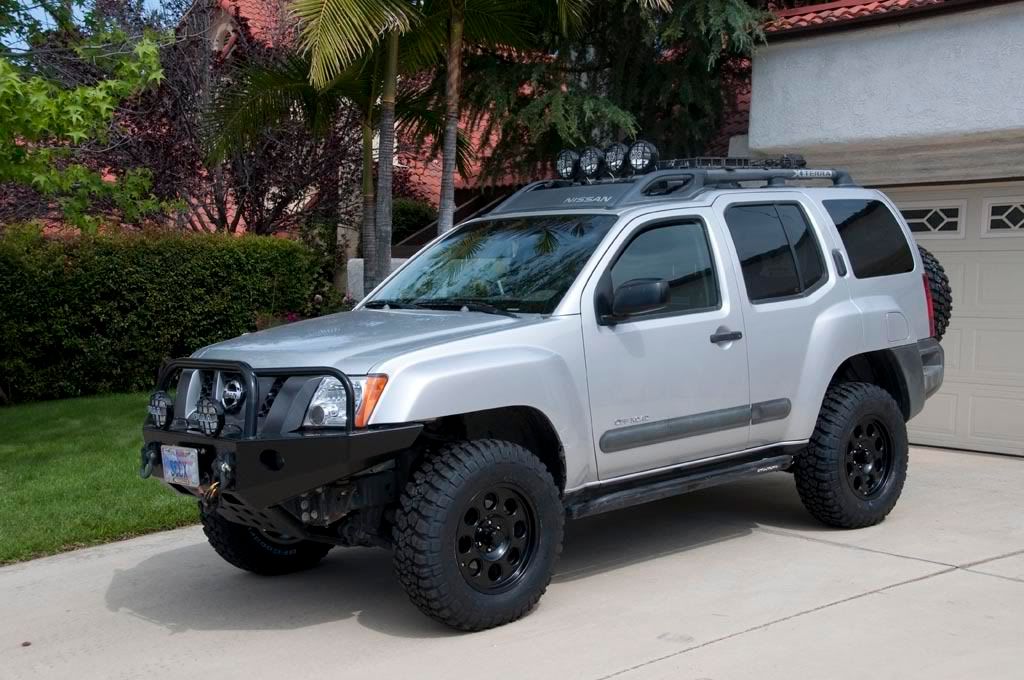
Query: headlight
(160,406)
(327,407)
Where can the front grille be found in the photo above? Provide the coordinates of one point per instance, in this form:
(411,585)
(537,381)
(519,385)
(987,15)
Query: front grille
(268,401)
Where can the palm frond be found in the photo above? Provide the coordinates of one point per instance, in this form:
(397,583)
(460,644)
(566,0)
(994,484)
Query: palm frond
(336,33)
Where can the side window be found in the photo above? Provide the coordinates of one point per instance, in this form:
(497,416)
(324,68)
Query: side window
(678,253)
(777,249)
(873,238)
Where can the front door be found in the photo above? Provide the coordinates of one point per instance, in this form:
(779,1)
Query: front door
(667,386)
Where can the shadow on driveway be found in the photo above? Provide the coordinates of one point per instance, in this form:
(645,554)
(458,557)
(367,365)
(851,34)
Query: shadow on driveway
(191,588)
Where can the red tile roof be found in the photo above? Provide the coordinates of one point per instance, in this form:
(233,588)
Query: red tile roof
(831,14)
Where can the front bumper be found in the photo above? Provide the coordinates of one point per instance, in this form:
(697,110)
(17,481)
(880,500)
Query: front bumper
(268,471)
(270,458)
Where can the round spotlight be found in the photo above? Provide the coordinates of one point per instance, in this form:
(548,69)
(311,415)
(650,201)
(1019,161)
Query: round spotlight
(160,409)
(643,156)
(567,163)
(590,161)
(209,416)
(615,157)
(232,396)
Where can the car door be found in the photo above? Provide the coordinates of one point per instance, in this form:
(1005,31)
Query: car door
(667,386)
(788,287)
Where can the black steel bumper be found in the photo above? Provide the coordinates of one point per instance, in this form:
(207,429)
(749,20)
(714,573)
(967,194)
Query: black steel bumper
(267,471)
(262,467)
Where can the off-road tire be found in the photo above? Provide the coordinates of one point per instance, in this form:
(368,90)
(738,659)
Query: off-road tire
(821,469)
(942,293)
(432,511)
(250,549)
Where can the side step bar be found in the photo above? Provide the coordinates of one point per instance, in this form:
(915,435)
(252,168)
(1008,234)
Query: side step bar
(646,490)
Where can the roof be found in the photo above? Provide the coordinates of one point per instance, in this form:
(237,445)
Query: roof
(843,13)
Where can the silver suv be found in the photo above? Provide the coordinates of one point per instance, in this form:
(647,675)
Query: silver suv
(586,346)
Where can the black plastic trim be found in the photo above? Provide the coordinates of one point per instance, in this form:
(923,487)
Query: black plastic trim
(660,431)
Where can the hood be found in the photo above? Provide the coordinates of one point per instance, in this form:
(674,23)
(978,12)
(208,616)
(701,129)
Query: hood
(355,342)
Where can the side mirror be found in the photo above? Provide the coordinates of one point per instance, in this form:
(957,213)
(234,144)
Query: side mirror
(637,296)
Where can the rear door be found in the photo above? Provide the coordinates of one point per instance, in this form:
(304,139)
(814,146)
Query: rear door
(665,388)
(787,287)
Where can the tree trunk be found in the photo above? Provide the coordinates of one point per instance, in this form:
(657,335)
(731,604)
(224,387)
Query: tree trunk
(369,235)
(385,163)
(446,209)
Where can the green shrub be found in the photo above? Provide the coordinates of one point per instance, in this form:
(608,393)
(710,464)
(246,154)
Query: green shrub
(100,314)
(409,216)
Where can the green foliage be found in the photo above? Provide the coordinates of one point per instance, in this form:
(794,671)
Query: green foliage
(409,216)
(43,122)
(85,453)
(100,313)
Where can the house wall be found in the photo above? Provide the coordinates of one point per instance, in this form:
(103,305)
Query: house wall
(931,99)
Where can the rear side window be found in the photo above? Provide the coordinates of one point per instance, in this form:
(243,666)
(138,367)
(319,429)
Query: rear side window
(678,253)
(873,238)
(778,252)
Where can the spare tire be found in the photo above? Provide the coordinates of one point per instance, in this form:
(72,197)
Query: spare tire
(942,294)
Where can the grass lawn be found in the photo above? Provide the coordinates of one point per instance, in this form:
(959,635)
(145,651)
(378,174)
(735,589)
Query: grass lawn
(69,477)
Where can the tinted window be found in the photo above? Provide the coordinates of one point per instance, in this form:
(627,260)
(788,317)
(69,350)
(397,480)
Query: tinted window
(778,252)
(805,245)
(873,239)
(678,253)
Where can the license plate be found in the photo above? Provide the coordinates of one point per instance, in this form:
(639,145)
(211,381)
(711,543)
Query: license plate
(181,465)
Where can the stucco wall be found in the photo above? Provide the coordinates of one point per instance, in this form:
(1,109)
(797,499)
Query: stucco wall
(942,89)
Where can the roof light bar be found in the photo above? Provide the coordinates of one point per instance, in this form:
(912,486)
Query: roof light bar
(643,156)
(567,163)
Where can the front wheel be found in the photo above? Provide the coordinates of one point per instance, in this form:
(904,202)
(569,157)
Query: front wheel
(260,552)
(852,472)
(477,533)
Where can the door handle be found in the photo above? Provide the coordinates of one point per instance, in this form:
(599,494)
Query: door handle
(725,336)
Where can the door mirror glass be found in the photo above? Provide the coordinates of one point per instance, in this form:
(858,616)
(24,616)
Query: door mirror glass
(638,296)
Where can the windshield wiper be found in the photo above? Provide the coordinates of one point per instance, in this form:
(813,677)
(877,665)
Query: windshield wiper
(393,304)
(469,305)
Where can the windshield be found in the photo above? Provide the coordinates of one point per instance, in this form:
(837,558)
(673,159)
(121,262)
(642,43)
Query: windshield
(522,264)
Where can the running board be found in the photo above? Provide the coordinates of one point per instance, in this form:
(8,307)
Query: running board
(635,492)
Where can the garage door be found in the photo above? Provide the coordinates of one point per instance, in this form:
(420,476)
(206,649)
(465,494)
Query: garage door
(977,232)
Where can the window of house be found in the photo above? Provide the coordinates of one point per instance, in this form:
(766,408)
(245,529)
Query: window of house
(873,238)
(678,253)
(777,249)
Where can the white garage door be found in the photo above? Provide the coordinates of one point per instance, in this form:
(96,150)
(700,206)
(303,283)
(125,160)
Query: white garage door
(977,232)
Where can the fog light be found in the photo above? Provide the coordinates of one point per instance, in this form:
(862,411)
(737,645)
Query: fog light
(615,157)
(209,416)
(567,164)
(590,161)
(643,156)
(160,408)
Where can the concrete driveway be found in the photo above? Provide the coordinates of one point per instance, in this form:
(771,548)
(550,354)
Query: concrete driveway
(732,582)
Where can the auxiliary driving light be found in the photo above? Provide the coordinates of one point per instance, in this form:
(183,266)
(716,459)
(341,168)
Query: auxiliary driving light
(590,161)
(643,156)
(615,157)
(567,163)
(209,416)
(160,407)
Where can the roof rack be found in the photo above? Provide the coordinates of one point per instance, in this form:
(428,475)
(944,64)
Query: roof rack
(678,179)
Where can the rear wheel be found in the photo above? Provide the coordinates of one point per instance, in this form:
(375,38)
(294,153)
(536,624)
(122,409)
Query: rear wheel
(854,467)
(477,533)
(261,552)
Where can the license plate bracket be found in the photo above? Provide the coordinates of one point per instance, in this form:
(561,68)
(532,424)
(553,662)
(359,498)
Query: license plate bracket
(181,465)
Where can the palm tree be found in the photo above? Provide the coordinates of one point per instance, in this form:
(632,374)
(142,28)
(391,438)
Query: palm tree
(495,23)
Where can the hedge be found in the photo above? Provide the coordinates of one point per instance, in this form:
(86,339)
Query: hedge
(99,314)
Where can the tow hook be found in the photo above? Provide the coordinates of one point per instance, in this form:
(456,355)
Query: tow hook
(224,471)
(150,454)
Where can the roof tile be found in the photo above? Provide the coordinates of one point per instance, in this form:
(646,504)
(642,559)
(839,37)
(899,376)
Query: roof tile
(811,16)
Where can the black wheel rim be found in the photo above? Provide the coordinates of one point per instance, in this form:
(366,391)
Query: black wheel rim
(496,538)
(869,458)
